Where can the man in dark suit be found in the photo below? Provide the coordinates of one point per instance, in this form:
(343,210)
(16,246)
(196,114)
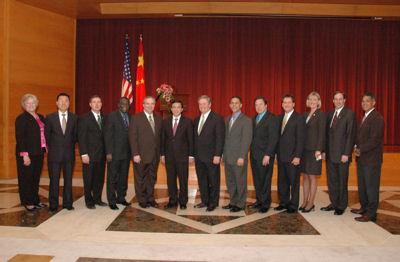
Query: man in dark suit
(290,149)
(176,152)
(262,153)
(209,136)
(145,139)
(118,154)
(61,135)
(369,153)
(91,147)
(238,134)
(341,131)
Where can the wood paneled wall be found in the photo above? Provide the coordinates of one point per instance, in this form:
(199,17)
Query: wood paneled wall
(38,57)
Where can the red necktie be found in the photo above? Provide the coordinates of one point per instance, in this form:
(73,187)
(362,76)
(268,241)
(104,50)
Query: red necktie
(334,120)
(175,126)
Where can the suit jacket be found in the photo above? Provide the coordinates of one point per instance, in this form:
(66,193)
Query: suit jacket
(180,146)
(315,131)
(142,140)
(238,139)
(116,136)
(370,139)
(27,134)
(90,137)
(291,142)
(340,138)
(265,136)
(61,146)
(210,142)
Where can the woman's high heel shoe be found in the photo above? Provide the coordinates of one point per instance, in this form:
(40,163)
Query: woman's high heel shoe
(308,210)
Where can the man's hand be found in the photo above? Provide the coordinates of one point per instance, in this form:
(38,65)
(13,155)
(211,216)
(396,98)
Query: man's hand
(265,160)
(27,161)
(296,161)
(216,160)
(240,162)
(85,159)
(357,151)
(137,159)
(344,159)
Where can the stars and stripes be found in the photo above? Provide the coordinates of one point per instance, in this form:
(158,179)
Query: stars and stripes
(127,90)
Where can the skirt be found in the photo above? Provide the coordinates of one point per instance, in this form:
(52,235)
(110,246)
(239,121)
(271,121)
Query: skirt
(309,165)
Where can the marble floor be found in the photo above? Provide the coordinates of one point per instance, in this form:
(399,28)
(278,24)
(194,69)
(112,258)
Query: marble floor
(156,234)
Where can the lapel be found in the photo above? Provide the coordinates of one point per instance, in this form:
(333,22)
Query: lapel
(206,123)
(147,122)
(261,121)
(289,121)
(234,123)
(58,123)
(365,123)
(121,120)
(94,120)
(312,118)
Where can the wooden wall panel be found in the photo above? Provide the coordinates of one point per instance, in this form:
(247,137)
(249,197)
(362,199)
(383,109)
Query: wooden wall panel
(41,59)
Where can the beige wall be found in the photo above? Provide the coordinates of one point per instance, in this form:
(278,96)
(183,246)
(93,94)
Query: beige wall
(38,56)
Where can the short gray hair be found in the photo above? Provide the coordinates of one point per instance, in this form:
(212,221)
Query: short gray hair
(26,97)
(204,97)
(148,97)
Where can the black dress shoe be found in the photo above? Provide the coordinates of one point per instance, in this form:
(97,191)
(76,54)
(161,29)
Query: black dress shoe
(358,211)
(40,205)
(124,203)
(308,210)
(229,206)
(291,210)
(69,208)
(338,212)
(280,208)
(263,210)
(113,207)
(144,205)
(365,219)
(210,208)
(170,205)
(91,206)
(101,203)
(183,207)
(253,206)
(328,208)
(201,205)
(52,210)
(235,209)
(30,209)
(153,204)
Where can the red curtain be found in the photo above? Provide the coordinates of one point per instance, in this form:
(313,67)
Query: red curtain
(248,57)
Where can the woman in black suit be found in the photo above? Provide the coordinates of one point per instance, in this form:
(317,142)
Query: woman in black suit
(30,148)
(311,162)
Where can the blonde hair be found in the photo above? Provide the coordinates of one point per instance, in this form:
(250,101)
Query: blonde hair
(26,97)
(317,96)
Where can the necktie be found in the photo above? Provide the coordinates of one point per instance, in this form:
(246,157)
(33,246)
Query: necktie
(201,125)
(152,124)
(258,118)
(362,121)
(231,123)
(284,123)
(175,126)
(99,120)
(126,121)
(64,123)
(334,119)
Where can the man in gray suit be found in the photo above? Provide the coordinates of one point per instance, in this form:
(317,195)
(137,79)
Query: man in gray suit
(341,131)
(238,135)
(118,154)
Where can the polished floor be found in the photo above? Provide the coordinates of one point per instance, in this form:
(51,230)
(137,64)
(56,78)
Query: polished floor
(156,234)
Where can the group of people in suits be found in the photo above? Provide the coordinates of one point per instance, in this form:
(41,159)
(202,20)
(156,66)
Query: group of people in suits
(299,142)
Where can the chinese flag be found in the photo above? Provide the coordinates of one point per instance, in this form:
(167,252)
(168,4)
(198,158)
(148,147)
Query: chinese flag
(140,87)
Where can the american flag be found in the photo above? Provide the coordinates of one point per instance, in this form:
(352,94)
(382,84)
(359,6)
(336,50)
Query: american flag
(127,90)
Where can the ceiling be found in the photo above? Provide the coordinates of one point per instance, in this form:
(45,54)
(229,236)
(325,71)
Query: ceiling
(83,9)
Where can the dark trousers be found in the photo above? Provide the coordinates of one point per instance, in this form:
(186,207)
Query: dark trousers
(288,184)
(337,176)
(209,179)
(28,180)
(262,176)
(145,176)
(178,169)
(93,181)
(117,180)
(54,175)
(369,179)
(236,182)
